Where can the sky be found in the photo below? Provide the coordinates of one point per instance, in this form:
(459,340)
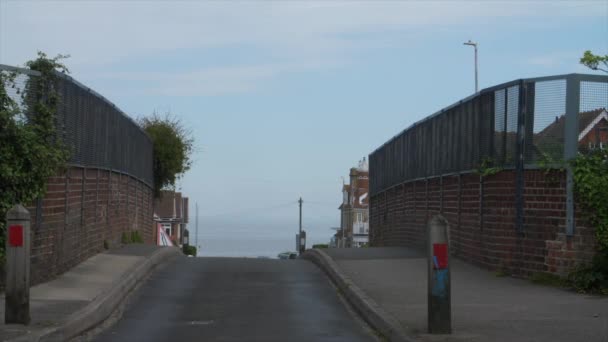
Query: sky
(283,97)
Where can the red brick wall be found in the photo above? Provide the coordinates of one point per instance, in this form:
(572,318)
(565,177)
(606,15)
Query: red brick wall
(81,209)
(482,217)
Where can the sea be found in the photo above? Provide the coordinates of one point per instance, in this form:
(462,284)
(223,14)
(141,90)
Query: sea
(229,238)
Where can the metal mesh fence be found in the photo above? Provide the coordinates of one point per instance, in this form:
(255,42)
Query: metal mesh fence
(593,118)
(549,117)
(513,125)
(95,131)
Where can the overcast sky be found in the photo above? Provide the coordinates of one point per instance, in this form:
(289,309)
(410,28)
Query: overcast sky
(283,97)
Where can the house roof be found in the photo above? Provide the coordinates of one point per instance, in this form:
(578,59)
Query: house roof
(556,129)
(591,121)
(553,134)
(358,191)
(169,205)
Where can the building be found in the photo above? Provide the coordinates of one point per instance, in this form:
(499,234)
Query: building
(354,210)
(592,129)
(171,211)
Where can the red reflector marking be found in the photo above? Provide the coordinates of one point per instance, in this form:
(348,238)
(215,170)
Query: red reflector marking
(15,236)
(440,252)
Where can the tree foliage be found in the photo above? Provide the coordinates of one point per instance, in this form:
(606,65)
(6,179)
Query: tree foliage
(173,145)
(30,150)
(595,62)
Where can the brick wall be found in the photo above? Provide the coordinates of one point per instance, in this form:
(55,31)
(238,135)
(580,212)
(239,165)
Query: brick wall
(482,217)
(82,208)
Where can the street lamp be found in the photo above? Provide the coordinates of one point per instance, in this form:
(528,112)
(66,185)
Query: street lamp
(475,46)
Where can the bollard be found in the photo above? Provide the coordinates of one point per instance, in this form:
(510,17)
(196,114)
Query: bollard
(17,293)
(439,296)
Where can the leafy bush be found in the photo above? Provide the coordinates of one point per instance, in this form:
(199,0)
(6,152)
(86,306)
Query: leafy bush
(189,250)
(320,245)
(173,144)
(592,278)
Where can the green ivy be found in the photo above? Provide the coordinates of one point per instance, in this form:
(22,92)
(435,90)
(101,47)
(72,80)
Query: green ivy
(487,167)
(30,149)
(549,165)
(590,171)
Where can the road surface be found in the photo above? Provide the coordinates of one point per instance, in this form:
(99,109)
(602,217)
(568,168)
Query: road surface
(236,299)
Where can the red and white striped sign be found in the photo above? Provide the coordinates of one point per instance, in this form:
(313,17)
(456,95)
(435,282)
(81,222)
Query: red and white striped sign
(163,238)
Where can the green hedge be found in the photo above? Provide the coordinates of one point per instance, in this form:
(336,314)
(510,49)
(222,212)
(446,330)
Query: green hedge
(189,250)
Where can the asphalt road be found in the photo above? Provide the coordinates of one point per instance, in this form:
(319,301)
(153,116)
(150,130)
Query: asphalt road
(237,299)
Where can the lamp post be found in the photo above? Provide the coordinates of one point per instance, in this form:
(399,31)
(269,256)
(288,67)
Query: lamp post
(473,44)
(300,201)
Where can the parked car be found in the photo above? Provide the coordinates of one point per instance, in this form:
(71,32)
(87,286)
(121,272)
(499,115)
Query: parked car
(287,255)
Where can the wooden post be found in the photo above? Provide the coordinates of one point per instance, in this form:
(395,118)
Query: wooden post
(17,295)
(439,288)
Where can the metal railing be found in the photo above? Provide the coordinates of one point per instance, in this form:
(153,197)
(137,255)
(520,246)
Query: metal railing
(96,132)
(522,123)
(527,123)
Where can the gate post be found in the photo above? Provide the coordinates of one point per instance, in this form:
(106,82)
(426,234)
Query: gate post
(17,295)
(439,288)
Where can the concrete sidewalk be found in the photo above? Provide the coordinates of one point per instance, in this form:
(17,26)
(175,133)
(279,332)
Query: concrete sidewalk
(484,307)
(83,297)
